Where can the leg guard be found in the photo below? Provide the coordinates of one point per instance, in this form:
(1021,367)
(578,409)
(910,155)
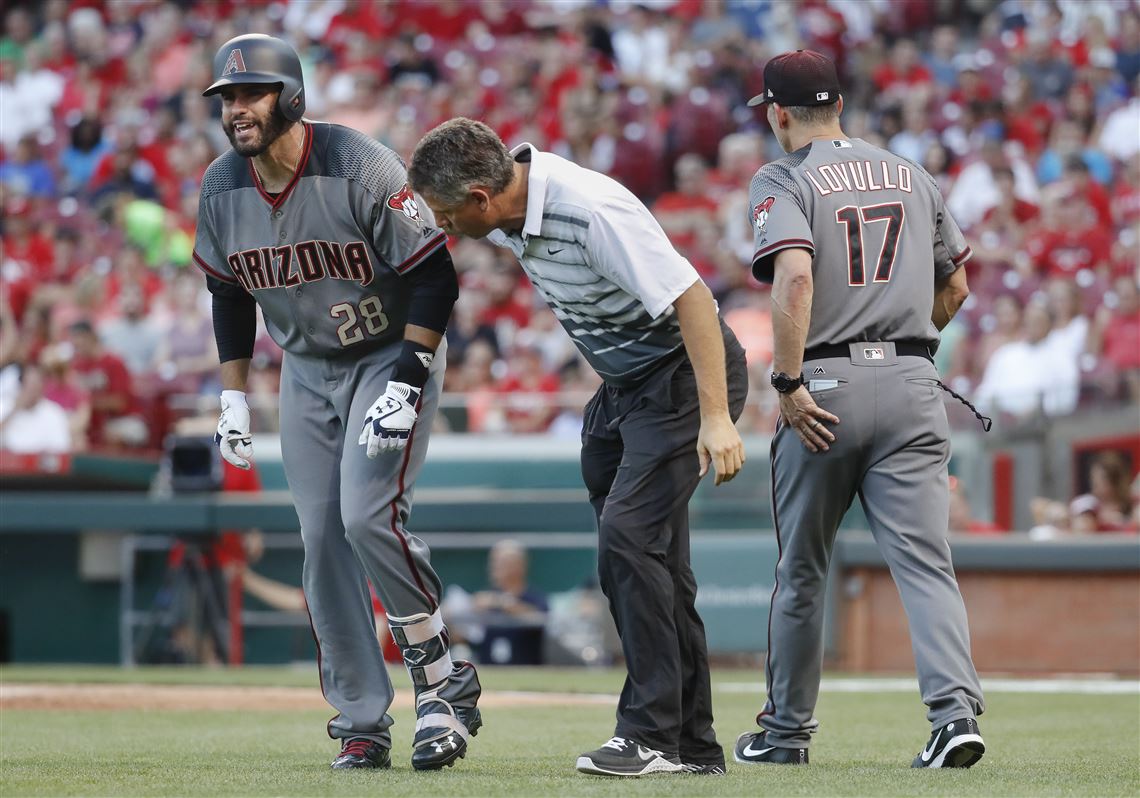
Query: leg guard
(423,641)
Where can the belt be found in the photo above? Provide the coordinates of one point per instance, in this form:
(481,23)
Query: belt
(908,348)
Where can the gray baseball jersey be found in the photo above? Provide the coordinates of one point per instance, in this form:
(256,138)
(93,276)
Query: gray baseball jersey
(878,228)
(879,234)
(325,260)
(324,257)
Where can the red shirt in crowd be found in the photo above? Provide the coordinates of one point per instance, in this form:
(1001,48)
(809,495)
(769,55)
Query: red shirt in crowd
(1125,204)
(1122,341)
(104,377)
(1063,253)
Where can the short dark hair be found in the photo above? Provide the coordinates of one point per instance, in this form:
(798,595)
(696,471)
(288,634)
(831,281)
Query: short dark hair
(457,156)
(813,115)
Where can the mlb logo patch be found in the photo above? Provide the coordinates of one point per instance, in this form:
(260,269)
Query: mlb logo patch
(821,96)
(873,353)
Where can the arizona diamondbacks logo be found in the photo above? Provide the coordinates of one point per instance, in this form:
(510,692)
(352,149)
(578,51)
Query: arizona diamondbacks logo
(404,201)
(760,214)
(235,63)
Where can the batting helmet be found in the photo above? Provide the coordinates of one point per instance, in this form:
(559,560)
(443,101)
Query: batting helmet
(257,58)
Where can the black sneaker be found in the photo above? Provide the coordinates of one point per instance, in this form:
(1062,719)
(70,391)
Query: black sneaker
(624,757)
(958,744)
(704,768)
(753,749)
(360,752)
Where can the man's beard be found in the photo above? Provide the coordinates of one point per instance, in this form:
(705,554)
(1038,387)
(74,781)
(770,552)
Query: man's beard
(274,127)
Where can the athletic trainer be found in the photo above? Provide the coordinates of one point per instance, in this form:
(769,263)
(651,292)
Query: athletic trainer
(316,224)
(866,267)
(674,381)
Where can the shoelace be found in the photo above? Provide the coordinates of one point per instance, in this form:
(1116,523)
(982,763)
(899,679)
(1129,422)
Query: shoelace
(616,743)
(357,747)
(987,422)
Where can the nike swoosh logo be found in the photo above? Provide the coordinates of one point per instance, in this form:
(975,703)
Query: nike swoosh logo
(929,752)
(550,251)
(645,753)
(749,751)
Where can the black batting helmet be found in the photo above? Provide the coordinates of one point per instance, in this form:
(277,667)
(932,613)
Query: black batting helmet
(257,58)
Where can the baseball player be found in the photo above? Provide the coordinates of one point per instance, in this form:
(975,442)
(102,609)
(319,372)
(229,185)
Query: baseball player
(674,382)
(866,269)
(315,224)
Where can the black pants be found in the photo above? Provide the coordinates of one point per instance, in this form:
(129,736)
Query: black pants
(640,465)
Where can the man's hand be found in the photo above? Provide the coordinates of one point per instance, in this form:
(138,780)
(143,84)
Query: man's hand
(232,437)
(719,443)
(802,414)
(389,422)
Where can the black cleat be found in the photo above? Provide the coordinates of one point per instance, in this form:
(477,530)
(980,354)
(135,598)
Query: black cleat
(435,747)
(360,752)
(624,757)
(704,768)
(958,744)
(752,748)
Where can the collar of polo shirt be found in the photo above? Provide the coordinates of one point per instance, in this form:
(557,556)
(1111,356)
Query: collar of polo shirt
(535,187)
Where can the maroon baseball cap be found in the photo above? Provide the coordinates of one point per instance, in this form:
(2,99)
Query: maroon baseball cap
(803,77)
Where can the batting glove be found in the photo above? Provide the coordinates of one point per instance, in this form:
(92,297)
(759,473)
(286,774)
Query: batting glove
(232,437)
(389,422)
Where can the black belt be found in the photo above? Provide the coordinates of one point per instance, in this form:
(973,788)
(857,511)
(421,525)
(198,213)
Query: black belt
(909,348)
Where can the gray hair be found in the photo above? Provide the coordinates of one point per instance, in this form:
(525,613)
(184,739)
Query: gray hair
(814,115)
(457,156)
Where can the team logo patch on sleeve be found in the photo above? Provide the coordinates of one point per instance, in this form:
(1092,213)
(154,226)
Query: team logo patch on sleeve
(404,201)
(760,215)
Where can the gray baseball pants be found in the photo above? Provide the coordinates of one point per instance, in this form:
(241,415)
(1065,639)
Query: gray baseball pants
(892,448)
(353,513)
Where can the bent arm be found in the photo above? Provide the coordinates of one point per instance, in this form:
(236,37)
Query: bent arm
(949,294)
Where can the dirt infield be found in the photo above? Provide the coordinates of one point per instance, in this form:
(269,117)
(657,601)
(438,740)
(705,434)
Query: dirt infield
(79,697)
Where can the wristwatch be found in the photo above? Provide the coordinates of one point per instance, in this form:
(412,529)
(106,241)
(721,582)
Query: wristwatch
(785,384)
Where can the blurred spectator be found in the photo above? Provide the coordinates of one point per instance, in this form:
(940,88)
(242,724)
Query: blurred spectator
(976,188)
(26,173)
(916,137)
(1070,325)
(115,419)
(85,151)
(132,334)
(1068,239)
(1118,136)
(32,423)
(61,385)
(1003,326)
(1115,335)
(689,207)
(962,517)
(1109,485)
(1032,374)
(1066,143)
(186,356)
(503,625)
(526,390)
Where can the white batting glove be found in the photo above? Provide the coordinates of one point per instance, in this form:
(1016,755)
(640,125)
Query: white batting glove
(232,437)
(389,421)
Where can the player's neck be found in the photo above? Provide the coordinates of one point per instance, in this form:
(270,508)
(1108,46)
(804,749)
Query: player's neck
(277,165)
(801,138)
(514,200)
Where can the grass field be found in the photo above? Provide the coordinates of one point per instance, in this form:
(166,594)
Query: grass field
(1039,744)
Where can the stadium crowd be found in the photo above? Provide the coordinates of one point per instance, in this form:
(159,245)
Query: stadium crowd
(1026,111)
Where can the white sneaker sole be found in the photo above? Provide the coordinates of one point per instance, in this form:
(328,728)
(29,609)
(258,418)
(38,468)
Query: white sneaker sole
(963,750)
(655,765)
